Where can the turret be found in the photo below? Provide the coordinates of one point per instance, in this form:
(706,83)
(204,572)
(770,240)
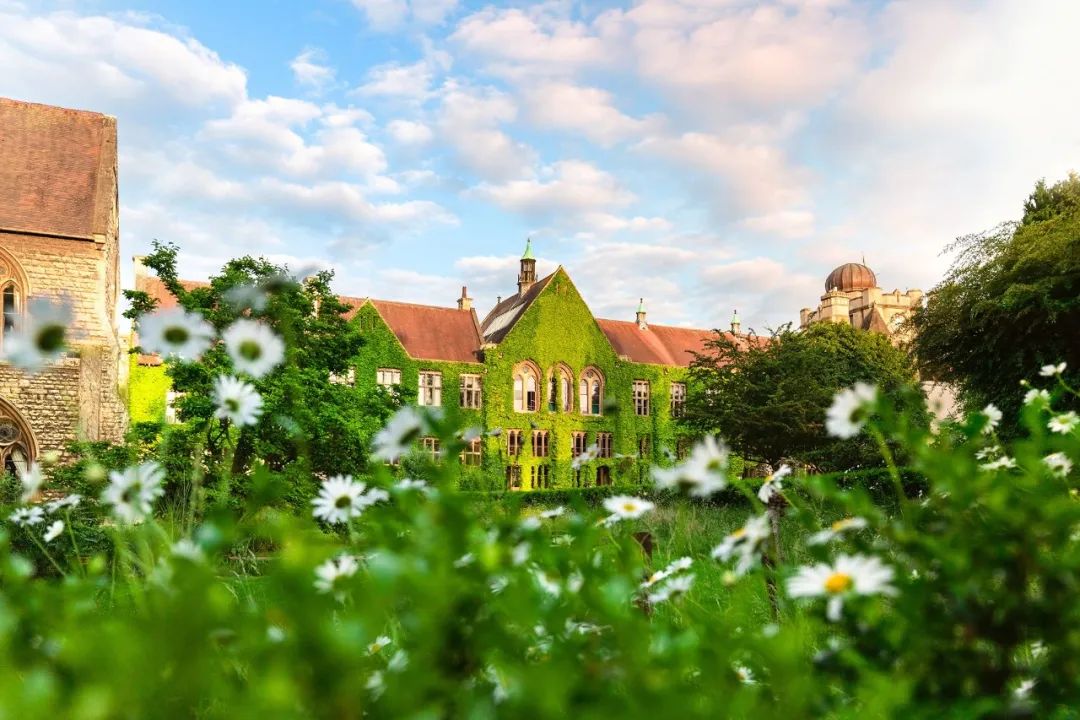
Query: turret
(736,326)
(641,315)
(527,276)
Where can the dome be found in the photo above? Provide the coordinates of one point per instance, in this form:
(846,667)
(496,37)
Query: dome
(849,277)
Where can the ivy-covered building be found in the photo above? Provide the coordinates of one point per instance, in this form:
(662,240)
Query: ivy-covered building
(544,379)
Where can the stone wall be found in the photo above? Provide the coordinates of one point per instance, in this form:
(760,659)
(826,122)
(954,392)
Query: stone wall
(48,401)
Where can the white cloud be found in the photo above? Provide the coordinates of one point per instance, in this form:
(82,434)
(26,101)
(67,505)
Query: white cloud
(387,15)
(407,132)
(567,186)
(470,120)
(311,71)
(409,82)
(587,111)
(783,224)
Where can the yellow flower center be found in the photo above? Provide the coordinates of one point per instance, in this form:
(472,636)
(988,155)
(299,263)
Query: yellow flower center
(837,583)
(840,524)
(629,507)
(739,533)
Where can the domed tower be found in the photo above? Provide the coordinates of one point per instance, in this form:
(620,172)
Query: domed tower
(851,277)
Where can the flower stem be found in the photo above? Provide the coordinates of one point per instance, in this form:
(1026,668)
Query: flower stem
(894,473)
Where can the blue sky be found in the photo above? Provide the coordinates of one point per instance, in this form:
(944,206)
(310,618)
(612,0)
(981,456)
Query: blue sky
(703,154)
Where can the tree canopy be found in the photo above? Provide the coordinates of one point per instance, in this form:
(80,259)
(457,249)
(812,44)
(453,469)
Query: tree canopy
(768,400)
(1010,303)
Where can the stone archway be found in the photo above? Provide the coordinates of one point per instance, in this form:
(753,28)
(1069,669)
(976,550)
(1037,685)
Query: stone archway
(18,446)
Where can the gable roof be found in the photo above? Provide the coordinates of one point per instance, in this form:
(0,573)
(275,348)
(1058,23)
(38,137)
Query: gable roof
(57,170)
(500,321)
(655,344)
(428,332)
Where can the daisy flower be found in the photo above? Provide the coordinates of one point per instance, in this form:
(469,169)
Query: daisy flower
(772,484)
(837,529)
(993,417)
(406,484)
(340,499)
(133,491)
(26,516)
(703,473)
(1052,370)
(243,297)
(375,647)
(553,512)
(551,587)
(1034,395)
(1059,463)
(54,531)
(42,337)
(397,437)
(254,348)
(627,507)
(237,401)
(71,501)
(1063,423)
(988,452)
(31,480)
(673,568)
(1002,463)
(187,549)
(744,543)
(679,585)
(847,414)
(850,575)
(175,333)
(329,575)
(744,674)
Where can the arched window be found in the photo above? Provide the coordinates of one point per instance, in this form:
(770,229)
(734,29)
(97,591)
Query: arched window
(17,445)
(553,391)
(591,392)
(560,389)
(14,289)
(526,388)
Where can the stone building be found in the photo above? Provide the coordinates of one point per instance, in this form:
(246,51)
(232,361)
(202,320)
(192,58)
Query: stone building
(59,238)
(540,375)
(852,296)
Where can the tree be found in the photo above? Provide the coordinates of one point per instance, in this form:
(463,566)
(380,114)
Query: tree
(1009,305)
(768,399)
(309,424)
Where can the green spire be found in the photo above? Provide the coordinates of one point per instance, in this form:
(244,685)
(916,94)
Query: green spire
(528,250)
(735,316)
(641,306)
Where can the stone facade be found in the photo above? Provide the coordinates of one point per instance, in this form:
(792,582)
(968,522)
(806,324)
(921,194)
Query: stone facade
(59,238)
(852,296)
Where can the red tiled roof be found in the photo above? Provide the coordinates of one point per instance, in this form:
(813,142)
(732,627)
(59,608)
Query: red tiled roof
(428,332)
(57,170)
(655,344)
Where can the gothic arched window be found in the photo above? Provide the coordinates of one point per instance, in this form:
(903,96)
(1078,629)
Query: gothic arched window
(17,445)
(13,291)
(591,392)
(560,389)
(526,388)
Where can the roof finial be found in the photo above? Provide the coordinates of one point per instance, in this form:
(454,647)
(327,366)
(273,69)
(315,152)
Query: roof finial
(864,258)
(528,250)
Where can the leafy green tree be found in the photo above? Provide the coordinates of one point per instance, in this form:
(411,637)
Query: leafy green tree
(309,423)
(768,399)
(1009,305)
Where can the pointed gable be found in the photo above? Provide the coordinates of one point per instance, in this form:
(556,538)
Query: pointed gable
(502,317)
(428,332)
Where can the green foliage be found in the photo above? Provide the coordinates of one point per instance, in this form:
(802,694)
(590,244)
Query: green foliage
(147,388)
(1010,303)
(769,399)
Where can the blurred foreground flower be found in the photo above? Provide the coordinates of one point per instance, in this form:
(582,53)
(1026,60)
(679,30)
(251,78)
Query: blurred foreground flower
(847,414)
(175,333)
(42,337)
(745,544)
(254,347)
(132,492)
(237,401)
(849,575)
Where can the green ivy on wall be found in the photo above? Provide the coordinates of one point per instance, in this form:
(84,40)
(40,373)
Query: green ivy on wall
(148,387)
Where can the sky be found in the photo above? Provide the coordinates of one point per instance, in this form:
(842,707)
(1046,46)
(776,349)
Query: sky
(704,155)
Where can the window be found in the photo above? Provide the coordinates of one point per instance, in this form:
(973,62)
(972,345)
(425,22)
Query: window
(644,446)
(553,392)
(682,448)
(678,399)
(348,378)
(430,389)
(591,393)
(431,447)
(603,475)
(578,444)
(540,443)
(641,397)
(539,477)
(581,478)
(13,289)
(566,386)
(171,397)
(526,388)
(473,454)
(513,477)
(470,392)
(603,444)
(513,442)
(388,379)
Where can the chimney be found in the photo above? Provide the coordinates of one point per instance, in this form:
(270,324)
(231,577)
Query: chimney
(641,315)
(464,302)
(527,276)
(736,326)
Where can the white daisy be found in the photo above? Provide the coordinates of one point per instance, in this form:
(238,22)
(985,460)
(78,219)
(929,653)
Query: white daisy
(237,401)
(837,529)
(847,414)
(679,585)
(329,575)
(375,647)
(186,548)
(551,587)
(1063,423)
(993,417)
(1059,463)
(397,437)
(406,484)
(849,575)
(133,491)
(31,480)
(340,499)
(1023,690)
(176,333)
(744,674)
(398,661)
(627,507)
(1034,395)
(520,554)
(1002,463)
(553,512)
(26,516)
(744,543)
(54,531)
(375,684)
(772,484)
(41,337)
(465,560)
(71,501)
(703,473)
(1052,370)
(673,568)
(988,452)
(243,297)
(253,346)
